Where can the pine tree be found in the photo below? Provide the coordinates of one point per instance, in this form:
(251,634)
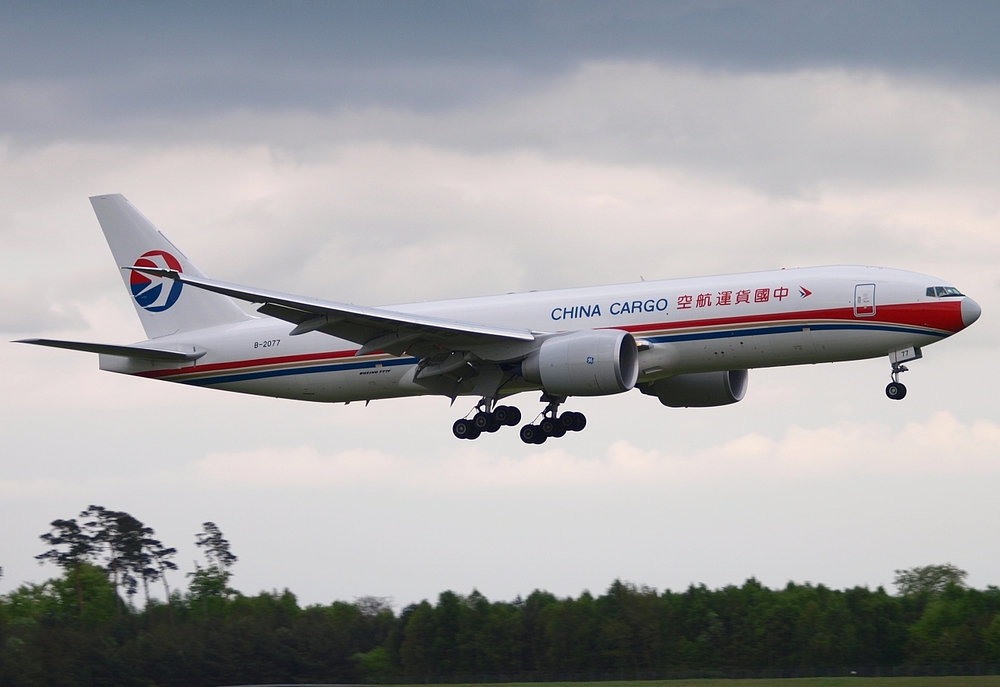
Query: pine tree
(214,579)
(161,559)
(72,546)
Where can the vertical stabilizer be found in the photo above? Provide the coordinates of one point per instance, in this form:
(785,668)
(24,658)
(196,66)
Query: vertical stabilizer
(164,306)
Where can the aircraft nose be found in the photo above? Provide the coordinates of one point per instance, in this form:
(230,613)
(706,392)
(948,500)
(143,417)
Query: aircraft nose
(970,311)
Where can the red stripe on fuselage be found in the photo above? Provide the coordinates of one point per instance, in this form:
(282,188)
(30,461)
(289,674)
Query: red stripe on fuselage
(237,364)
(946,316)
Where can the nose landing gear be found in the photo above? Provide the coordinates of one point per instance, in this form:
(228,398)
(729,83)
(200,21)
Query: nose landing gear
(896,391)
(553,424)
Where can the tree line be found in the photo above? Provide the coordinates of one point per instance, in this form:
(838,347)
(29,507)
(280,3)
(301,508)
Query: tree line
(85,627)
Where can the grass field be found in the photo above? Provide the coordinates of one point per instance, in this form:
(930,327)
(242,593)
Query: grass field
(944,681)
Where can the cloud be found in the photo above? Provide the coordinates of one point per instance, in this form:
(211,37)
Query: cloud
(112,65)
(943,445)
(788,133)
(35,307)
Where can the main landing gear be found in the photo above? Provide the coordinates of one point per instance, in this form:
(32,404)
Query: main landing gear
(489,419)
(553,424)
(486,420)
(896,391)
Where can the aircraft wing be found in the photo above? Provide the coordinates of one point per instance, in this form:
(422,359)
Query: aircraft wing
(373,329)
(112,349)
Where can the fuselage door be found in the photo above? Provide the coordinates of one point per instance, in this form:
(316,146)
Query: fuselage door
(864,300)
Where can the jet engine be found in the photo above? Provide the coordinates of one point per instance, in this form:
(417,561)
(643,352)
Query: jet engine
(699,389)
(588,363)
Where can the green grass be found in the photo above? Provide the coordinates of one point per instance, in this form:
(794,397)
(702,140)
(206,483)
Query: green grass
(944,681)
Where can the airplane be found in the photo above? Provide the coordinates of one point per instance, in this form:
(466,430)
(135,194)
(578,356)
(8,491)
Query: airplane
(687,342)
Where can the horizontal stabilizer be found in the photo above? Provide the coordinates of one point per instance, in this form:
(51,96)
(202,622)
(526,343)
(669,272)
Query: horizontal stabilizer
(122,351)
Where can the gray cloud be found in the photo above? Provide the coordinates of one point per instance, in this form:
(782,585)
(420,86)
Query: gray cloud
(87,69)
(786,133)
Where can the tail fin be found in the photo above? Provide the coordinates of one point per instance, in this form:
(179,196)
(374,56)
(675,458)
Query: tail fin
(164,306)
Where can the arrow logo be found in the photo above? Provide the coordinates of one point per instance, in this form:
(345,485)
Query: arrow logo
(803,292)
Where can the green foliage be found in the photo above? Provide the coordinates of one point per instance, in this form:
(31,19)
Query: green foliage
(991,648)
(209,583)
(627,631)
(57,598)
(958,626)
(72,547)
(929,579)
(375,665)
(74,630)
(637,631)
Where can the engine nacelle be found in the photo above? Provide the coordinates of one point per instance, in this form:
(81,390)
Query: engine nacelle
(590,363)
(699,389)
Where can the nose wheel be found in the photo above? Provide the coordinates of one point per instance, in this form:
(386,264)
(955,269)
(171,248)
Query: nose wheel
(896,390)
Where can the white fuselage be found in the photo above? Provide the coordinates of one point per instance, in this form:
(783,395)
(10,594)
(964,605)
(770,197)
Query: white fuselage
(741,321)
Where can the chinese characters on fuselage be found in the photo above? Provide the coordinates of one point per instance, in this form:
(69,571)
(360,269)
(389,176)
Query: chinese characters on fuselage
(684,302)
(723,298)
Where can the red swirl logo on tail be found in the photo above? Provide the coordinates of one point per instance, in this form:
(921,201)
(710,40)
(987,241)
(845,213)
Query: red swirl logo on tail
(149,292)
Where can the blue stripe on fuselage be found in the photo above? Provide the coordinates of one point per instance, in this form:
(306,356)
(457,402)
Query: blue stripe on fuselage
(788,329)
(286,372)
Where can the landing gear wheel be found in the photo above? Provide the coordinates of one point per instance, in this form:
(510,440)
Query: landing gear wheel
(549,427)
(486,422)
(573,421)
(465,429)
(895,391)
(507,415)
(515,416)
(532,434)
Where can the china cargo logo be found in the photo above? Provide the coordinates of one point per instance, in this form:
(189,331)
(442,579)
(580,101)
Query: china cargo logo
(150,292)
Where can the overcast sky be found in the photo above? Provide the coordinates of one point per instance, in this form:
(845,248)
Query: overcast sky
(386,152)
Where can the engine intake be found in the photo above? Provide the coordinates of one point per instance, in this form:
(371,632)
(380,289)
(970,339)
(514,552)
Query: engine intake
(588,363)
(700,389)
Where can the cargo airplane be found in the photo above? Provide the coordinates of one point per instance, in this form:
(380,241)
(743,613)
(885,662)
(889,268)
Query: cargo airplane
(686,342)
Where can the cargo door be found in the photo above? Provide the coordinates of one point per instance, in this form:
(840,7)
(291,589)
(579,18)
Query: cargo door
(864,300)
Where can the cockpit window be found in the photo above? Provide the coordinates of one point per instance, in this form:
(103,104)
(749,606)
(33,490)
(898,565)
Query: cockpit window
(942,291)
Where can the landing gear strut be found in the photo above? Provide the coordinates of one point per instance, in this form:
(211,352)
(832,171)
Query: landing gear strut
(487,419)
(553,424)
(896,391)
